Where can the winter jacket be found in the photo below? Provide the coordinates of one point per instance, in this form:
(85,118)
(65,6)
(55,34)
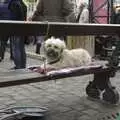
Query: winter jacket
(18,10)
(116,18)
(53,10)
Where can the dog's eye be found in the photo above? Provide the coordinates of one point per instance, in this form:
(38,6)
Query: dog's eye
(49,45)
(56,46)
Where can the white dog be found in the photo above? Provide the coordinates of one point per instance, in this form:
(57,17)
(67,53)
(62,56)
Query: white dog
(58,56)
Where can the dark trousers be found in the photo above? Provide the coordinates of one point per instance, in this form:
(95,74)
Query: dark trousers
(18,52)
(3,44)
(38,46)
(39,40)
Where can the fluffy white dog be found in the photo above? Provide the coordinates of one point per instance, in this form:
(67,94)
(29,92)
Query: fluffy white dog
(58,56)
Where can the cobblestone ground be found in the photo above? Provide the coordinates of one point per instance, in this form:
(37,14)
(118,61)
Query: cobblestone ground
(65,98)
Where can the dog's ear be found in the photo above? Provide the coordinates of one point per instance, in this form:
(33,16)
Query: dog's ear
(52,37)
(63,44)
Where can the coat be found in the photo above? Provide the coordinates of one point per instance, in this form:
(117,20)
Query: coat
(54,10)
(116,18)
(84,17)
(18,10)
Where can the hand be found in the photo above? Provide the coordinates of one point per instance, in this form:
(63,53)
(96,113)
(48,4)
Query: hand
(29,19)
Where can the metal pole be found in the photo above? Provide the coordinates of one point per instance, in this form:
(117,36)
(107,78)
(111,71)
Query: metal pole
(112,11)
(91,19)
(108,11)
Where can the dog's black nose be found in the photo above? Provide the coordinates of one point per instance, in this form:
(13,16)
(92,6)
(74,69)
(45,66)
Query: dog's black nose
(50,50)
(51,53)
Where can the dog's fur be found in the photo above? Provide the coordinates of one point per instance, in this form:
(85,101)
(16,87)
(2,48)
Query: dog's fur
(58,56)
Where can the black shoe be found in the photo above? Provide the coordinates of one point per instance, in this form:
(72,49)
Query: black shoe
(38,46)
(0,60)
(11,58)
(13,68)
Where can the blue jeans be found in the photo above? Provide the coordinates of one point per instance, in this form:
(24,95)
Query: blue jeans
(18,52)
(3,43)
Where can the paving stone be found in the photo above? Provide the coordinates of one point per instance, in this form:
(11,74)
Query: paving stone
(60,109)
(52,104)
(42,101)
(69,99)
(5,100)
(85,117)
(27,102)
(78,107)
(19,97)
(90,112)
(70,115)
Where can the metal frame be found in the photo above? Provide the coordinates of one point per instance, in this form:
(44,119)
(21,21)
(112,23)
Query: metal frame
(56,28)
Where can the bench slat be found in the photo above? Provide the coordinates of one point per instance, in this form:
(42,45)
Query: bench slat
(24,76)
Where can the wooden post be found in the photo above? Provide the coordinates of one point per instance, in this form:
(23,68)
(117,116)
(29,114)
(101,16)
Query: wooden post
(85,42)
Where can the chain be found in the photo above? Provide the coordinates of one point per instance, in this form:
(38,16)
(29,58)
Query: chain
(46,36)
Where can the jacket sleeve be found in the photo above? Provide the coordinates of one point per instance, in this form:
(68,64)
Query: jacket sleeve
(68,10)
(39,11)
(84,17)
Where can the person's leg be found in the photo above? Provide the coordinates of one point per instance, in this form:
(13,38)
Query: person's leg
(18,52)
(39,41)
(3,43)
(34,40)
(23,53)
(11,54)
(38,46)
(0,49)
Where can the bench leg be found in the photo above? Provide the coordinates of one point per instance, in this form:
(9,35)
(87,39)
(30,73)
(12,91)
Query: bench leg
(101,86)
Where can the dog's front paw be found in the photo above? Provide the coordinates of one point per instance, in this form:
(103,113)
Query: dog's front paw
(46,68)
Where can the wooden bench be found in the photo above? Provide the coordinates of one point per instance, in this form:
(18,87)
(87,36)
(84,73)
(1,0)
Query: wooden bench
(102,71)
(101,81)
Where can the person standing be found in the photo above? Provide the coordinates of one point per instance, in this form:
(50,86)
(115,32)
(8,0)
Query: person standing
(85,42)
(83,13)
(53,11)
(116,16)
(18,13)
(4,15)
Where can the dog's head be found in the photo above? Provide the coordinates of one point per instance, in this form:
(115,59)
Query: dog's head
(54,48)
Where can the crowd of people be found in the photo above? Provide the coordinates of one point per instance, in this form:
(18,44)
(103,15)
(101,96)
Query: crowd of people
(46,10)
